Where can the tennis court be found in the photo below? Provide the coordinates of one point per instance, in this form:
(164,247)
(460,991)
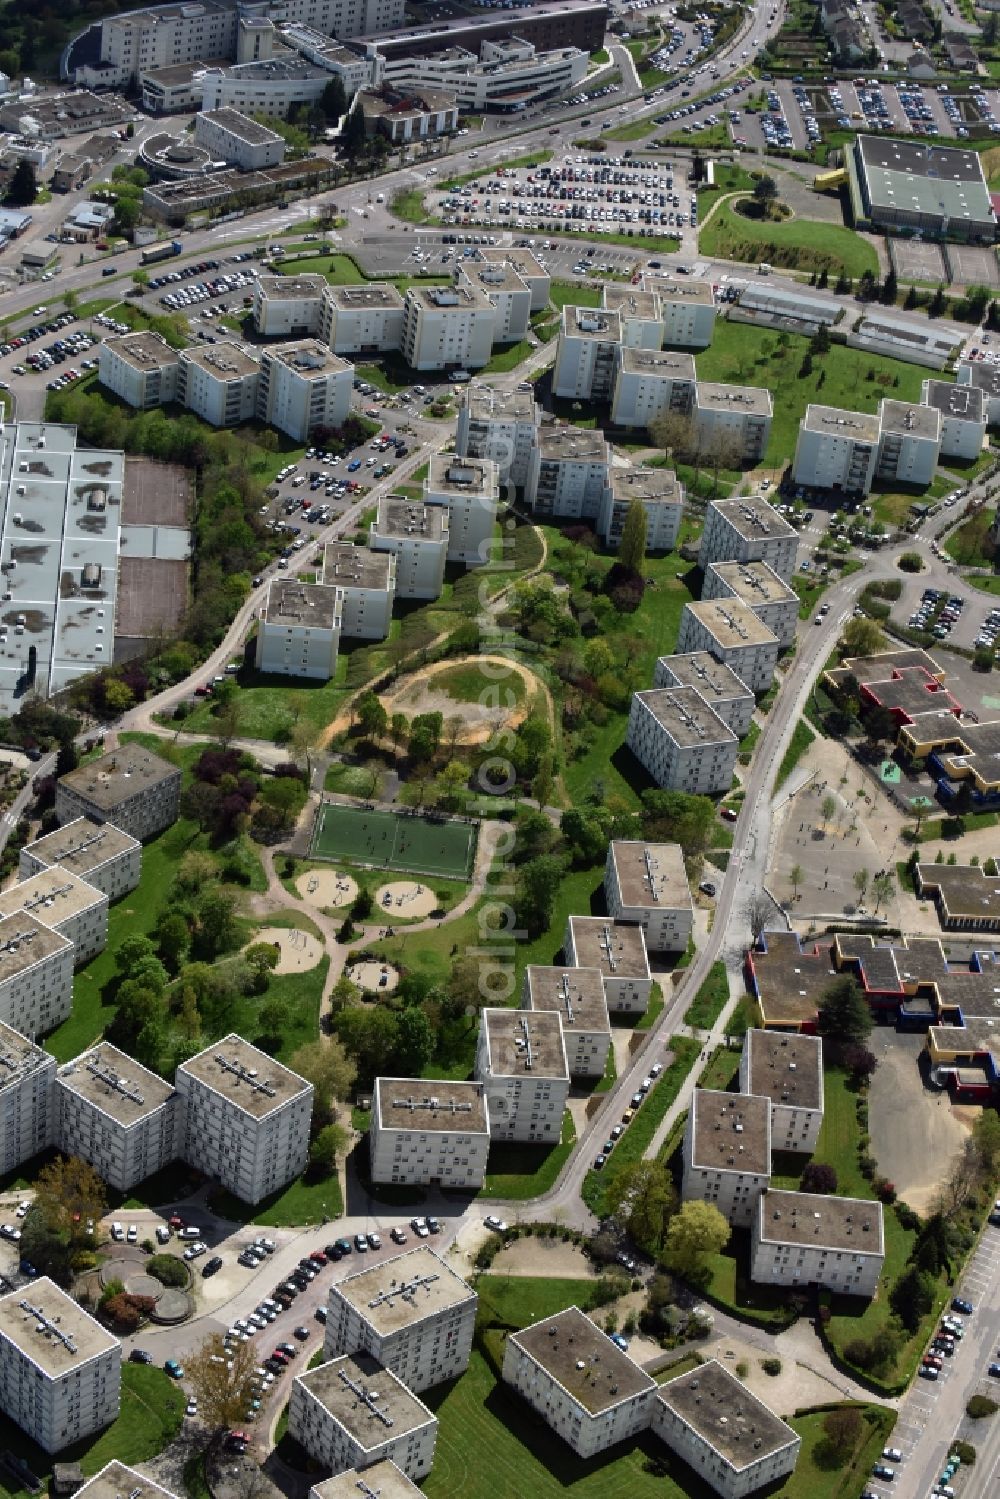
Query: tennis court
(416,842)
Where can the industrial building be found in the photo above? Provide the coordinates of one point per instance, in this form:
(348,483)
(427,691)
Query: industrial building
(908,188)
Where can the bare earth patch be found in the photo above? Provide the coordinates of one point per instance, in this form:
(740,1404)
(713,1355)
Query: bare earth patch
(370,976)
(543,1257)
(326,887)
(299,951)
(405,898)
(417,694)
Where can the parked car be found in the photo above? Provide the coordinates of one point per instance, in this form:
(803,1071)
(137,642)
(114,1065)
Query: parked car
(140,1356)
(174,1369)
(496,1224)
(959,1304)
(211,1266)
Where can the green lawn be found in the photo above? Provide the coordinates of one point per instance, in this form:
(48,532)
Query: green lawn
(637,131)
(295,1206)
(508,358)
(271,706)
(581,893)
(802,738)
(520,1300)
(468,683)
(805,244)
(408,204)
(968,544)
(518,1173)
(563,292)
(711,999)
(340,270)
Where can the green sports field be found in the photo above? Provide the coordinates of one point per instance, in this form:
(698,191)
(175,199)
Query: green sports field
(412,842)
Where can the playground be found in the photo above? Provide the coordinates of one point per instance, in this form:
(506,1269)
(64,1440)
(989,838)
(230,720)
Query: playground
(298,950)
(326,888)
(411,842)
(404,898)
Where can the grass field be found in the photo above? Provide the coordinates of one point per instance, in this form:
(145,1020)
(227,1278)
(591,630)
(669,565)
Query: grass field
(803,243)
(711,999)
(467,683)
(802,738)
(518,1173)
(270,706)
(520,1300)
(388,840)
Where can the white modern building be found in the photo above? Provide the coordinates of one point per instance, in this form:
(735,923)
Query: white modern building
(367,582)
(299,629)
(99,853)
(509,295)
(469,488)
(618,952)
(404,114)
(585,1388)
(364,319)
(140,368)
(304,388)
(659,492)
(748,530)
(117,1115)
(352,1412)
(757,587)
(137,791)
(246,1118)
(732,421)
(787,1069)
(647,884)
(447,328)
(732,633)
(985,378)
(527,265)
(70,906)
(649,384)
(577,996)
(641,320)
(382,1478)
(27,1078)
(724,692)
(804,1239)
(417,535)
(521,1062)
(238,140)
(288,306)
(218,382)
(501,425)
(836,449)
(36,975)
(964,416)
(567,473)
(586,354)
(909,442)
(687,308)
(681,741)
(723,1432)
(429,1133)
(60,1370)
(411,1312)
(727,1153)
(506,73)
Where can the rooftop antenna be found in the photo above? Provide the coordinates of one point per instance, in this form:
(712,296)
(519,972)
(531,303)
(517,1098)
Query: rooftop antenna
(404,1288)
(367,1397)
(244,1075)
(46,1325)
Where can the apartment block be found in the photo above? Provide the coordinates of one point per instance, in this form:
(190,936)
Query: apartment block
(383,1479)
(140,368)
(509,296)
(27,1078)
(567,473)
(429,1133)
(650,384)
(732,421)
(36,975)
(99,853)
(758,587)
(687,308)
(646,884)
(727,1153)
(299,629)
(218,382)
(447,328)
(60,1370)
(131,787)
(787,1069)
(984,378)
(725,1434)
(748,530)
(725,693)
(585,1389)
(411,1313)
(586,354)
(116,1481)
(238,140)
(303,388)
(909,442)
(367,582)
(618,951)
(639,311)
(681,741)
(351,1413)
(70,906)
(521,1062)
(806,1239)
(417,535)
(733,634)
(659,492)
(468,488)
(117,1115)
(527,265)
(577,996)
(501,425)
(288,306)
(246,1118)
(362,319)
(836,449)
(964,415)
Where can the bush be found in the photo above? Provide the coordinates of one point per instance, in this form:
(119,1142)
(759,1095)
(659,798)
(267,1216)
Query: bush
(964,1451)
(771,1366)
(979,1406)
(910,562)
(168,1269)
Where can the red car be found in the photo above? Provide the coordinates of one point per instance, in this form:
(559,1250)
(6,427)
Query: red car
(175,1220)
(281,1357)
(318,1257)
(931,1361)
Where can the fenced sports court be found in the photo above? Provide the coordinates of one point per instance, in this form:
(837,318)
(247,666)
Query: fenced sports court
(414,842)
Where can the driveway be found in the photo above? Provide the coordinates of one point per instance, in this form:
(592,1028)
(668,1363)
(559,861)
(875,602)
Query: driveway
(916,1160)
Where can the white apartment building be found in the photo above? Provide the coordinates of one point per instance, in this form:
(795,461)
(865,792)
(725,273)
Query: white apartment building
(964,415)
(36,975)
(807,1239)
(411,1313)
(218,382)
(139,368)
(758,587)
(447,327)
(527,265)
(836,449)
(501,425)
(509,295)
(417,535)
(727,1153)
(567,473)
(681,741)
(238,140)
(733,634)
(246,1118)
(99,853)
(648,384)
(659,492)
(647,884)
(641,320)
(787,1069)
(586,354)
(429,1133)
(909,442)
(577,996)
(733,421)
(469,488)
(724,692)
(70,906)
(60,1370)
(288,306)
(116,1481)
(725,1434)
(27,1077)
(351,1413)
(585,1389)
(618,951)
(299,629)
(367,581)
(362,319)
(521,1062)
(303,387)
(382,1478)
(748,530)
(117,1115)
(131,787)
(687,307)
(985,378)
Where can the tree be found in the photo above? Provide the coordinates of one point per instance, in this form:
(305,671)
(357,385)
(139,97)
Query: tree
(352,133)
(697,1231)
(118,697)
(912,1297)
(414,1042)
(324,1151)
(889,288)
(632,551)
(843,1014)
(331,1071)
(222,1379)
(842,1429)
(535,889)
(70,1190)
(22,189)
(828,806)
(263,959)
(936,306)
(333,100)
(643,1199)
(216,917)
(796,875)
(986,1144)
(399,729)
(132,951)
(860,879)
(372,716)
(882,888)
(173,937)
(862,637)
(756,911)
(819,1178)
(765,190)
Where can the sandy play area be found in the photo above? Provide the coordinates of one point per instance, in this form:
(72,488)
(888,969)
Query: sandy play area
(326,887)
(299,951)
(405,898)
(377,978)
